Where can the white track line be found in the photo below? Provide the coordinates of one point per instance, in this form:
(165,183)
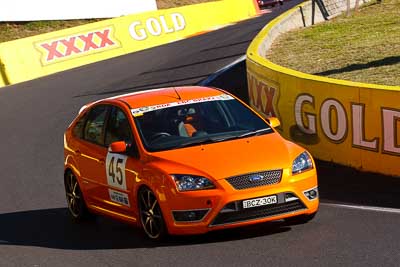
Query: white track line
(230,65)
(368,208)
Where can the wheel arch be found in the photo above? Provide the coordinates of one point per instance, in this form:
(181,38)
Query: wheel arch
(72,169)
(70,165)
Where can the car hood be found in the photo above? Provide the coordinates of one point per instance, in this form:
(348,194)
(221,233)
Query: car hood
(229,158)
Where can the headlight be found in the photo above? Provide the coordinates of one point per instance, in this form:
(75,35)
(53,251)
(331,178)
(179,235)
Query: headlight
(302,163)
(191,182)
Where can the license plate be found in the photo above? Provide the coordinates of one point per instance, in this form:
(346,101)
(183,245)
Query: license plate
(262,201)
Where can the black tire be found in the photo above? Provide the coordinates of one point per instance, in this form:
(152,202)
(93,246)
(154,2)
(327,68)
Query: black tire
(151,217)
(300,219)
(76,204)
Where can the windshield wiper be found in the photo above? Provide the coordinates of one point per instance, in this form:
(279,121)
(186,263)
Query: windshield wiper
(210,140)
(207,140)
(256,132)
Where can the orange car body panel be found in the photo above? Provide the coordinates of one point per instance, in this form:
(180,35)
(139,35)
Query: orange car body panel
(216,161)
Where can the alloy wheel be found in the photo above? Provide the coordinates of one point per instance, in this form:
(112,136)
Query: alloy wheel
(76,204)
(150,214)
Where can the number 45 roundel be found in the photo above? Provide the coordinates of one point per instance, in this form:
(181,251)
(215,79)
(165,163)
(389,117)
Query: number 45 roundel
(115,170)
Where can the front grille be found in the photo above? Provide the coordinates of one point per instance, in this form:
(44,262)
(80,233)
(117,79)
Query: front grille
(257,179)
(231,215)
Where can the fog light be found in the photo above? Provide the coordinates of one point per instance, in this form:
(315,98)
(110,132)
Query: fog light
(312,193)
(290,197)
(189,215)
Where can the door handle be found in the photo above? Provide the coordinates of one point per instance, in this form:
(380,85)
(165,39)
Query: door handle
(102,161)
(77,152)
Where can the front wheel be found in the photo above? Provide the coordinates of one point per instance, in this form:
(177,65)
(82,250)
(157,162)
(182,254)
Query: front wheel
(150,215)
(76,204)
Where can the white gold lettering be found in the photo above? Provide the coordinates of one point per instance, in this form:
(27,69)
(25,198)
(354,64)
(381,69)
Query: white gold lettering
(311,119)
(358,120)
(329,106)
(156,26)
(137,34)
(391,122)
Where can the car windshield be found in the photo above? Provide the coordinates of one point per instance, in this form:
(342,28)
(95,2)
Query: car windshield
(182,125)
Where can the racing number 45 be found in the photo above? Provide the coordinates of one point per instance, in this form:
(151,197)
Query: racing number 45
(115,169)
(116,173)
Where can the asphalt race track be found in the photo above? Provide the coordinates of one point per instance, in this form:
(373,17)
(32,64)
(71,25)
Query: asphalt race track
(35,229)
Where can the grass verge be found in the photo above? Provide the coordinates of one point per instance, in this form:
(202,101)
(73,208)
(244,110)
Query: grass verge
(16,30)
(363,47)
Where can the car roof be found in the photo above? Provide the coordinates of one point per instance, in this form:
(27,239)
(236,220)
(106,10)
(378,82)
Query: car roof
(166,95)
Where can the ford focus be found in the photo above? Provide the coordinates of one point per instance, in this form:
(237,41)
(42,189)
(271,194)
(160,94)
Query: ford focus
(184,160)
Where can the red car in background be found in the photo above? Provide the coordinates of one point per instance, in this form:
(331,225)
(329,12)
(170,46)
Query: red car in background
(267,3)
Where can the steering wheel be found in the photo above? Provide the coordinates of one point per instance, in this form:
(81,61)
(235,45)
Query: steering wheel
(156,136)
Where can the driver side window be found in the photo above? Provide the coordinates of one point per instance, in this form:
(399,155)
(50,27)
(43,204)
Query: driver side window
(118,128)
(94,128)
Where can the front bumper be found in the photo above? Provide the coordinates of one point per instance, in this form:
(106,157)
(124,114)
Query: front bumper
(234,212)
(224,205)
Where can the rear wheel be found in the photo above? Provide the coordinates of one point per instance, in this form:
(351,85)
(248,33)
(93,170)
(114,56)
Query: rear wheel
(76,204)
(300,219)
(150,214)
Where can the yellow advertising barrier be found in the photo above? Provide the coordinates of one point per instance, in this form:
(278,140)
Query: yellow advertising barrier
(37,56)
(353,124)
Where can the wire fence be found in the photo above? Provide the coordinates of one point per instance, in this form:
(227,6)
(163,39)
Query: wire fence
(334,7)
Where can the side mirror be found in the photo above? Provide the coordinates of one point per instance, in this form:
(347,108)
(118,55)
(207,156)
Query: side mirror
(273,122)
(118,147)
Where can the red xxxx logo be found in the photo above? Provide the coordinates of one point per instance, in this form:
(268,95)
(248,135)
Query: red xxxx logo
(77,45)
(264,97)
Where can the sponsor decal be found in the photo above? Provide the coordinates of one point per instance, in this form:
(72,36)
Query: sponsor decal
(330,119)
(77,45)
(264,95)
(119,197)
(337,125)
(139,111)
(140,30)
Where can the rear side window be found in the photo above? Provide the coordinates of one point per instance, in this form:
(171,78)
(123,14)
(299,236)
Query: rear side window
(118,128)
(77,131)
(94,128)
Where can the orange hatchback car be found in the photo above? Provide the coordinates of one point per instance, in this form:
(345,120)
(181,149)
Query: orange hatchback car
(184,160)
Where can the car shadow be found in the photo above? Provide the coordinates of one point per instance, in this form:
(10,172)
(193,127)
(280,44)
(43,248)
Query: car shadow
(340,184)
(53,228)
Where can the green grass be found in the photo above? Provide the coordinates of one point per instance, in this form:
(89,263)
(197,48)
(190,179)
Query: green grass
(16,30)
(363,47)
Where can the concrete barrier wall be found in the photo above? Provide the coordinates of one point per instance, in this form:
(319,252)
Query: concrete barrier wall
(349,123)
(41,55)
